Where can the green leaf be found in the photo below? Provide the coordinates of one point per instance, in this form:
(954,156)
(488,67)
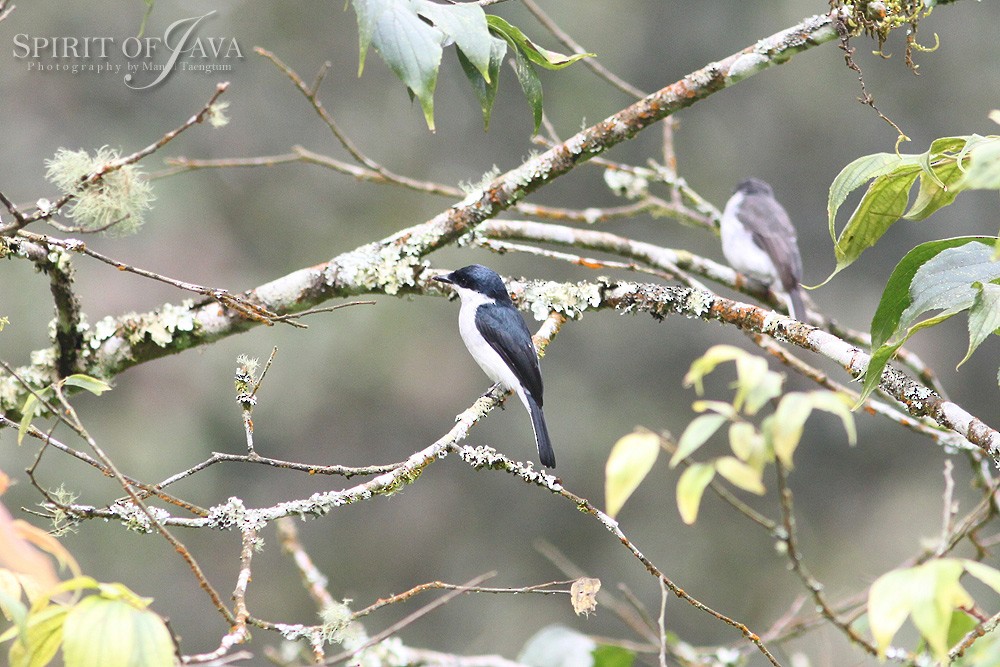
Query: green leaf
(984,315)
(486,90)
(949,166)
(408,45)
(883,204)
(945,282)
(531,85)
(631,459)
(695,435)
(983,172)
(93,385)
(690,488)
(465,24)
(27,414)
(937,189)
(740,474)
(115,633)
(852,177)
(613,656)
(881,357)
(42,637)
(536,54)
(896,295)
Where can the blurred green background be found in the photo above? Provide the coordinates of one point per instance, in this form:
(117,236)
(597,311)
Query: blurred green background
(372,384)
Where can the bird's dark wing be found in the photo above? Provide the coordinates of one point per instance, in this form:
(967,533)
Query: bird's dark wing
(505,331)
(776,238)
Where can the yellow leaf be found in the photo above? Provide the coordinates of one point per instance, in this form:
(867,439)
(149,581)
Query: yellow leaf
(740,474)
(631,459)
(690,488)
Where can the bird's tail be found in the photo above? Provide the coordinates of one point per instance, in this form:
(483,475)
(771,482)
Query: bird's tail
(796,308)
(545,453)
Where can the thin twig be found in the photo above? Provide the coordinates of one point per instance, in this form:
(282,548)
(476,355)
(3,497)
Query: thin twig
(591,62)
(407,620)
(315,582)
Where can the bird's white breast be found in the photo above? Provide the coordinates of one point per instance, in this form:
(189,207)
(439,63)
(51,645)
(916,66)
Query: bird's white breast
(484,354)
(742,253)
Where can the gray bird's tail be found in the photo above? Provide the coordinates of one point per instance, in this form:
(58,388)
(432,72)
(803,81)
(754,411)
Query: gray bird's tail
(796,308)
(545,453)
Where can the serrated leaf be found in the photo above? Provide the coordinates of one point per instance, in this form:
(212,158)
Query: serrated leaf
(984,315)
(486,90)
(853,176)
(613,656)
(368,13)
(882,205)
(740,474)
(115,633)
(896,295)
(690,488)
(706,363)
(944,282)
(695,435)
(91,384)
(465,24)
(409,46)
(536,54)
(631,459)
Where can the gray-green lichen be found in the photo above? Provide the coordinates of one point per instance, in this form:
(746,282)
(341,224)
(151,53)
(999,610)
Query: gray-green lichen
(568,299)
(699,302)
(117,200)
(133,518)
(388,267)
(160,326)
(626,184)
(234,514)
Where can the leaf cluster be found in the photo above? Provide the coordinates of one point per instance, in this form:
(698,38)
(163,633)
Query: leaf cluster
(752,447)
(950,275)
(410,36)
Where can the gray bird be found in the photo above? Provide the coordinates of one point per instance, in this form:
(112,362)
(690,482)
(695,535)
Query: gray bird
(758,240)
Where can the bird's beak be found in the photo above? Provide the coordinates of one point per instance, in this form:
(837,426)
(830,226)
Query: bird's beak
(444,279)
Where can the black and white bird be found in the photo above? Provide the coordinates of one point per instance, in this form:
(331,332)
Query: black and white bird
(499,341)
(759,241)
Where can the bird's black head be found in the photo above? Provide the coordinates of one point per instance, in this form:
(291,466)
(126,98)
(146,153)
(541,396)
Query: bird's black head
(755,186)
(477,278)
